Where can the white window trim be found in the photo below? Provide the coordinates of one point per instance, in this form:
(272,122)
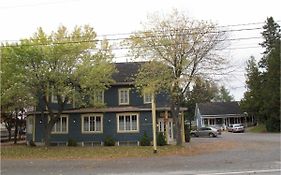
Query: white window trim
(54,98)
(119,96)
(144,98)
(91,115)
(129,131)
(67,125)
(95,95)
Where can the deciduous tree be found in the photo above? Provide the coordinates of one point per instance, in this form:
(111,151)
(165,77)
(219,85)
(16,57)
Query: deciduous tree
(186,46)
(67,65)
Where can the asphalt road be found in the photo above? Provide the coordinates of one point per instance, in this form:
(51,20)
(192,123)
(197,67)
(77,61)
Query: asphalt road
(256,154)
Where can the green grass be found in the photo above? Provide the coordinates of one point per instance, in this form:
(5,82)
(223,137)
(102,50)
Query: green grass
(114,152)
(258,129)
(26,152)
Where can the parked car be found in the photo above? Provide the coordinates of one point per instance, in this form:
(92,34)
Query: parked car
(238,128)
(205,131)
(230,128)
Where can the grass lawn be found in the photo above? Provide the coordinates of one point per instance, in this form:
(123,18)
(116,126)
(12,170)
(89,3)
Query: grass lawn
(258,129)
(103,153)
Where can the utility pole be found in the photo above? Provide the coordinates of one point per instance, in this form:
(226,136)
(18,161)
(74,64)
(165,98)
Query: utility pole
(153,108)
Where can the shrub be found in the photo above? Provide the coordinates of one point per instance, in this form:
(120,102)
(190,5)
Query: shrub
(144,140)
(71,142)
(161,139)
(273,124)
(109,141)
(31,143)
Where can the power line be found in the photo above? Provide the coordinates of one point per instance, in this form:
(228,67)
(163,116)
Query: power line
(124,38)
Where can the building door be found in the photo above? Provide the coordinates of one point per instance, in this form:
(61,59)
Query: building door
(166,128)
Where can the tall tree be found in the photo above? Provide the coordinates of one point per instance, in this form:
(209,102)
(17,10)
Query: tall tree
(271,76)
(14,95)
(223,95)
(63,64)
(263,81)
(186,46)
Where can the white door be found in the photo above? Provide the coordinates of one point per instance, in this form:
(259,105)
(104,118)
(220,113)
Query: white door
(166,128)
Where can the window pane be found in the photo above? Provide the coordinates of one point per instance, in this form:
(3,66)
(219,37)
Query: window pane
(134,122)
(92,123)
(121,123)
(86,124)
(127,123)
(98,123)
(64,124)
(57,125)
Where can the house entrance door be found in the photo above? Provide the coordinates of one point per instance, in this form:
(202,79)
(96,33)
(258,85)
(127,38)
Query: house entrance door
(166,128)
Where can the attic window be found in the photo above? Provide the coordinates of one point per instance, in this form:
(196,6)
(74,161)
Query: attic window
(147,98)
(123,96)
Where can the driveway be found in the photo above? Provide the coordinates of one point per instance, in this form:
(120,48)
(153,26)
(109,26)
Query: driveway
(254,154)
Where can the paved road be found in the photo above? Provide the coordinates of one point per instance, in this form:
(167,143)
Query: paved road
(256,154)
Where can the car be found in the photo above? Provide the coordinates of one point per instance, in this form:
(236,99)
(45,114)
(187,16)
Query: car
(238,128)
(230,128)
(205,131)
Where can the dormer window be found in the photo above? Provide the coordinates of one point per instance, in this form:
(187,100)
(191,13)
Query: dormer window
(147,98)
(99,97)
(123,96)
(54,99)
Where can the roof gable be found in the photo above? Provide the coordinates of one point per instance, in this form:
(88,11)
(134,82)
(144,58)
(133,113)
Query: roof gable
(219,108)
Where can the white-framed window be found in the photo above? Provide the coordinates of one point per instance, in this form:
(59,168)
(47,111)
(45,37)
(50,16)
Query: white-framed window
(99,97)
(61,126)
(30,122)
(54,98)
(147,98)
(123,96)
(92,123)
(127,122)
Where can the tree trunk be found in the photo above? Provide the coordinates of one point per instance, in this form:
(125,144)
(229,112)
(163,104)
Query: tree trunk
(47,134)
(175,109)
(10,134)
(16,128)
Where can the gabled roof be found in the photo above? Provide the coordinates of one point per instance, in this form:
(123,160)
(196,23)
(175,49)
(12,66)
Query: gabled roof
(219,108)
(126,72)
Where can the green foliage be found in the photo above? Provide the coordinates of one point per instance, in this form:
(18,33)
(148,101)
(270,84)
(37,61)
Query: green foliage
(71,142)
(223,95)
(161,139)
(144,140)
(186,47)
(59,64)
(109,141)
(153,77)
(273,124)
(262,98)
(258,129)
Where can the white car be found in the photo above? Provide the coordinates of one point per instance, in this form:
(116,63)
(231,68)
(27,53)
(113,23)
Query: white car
(237,128)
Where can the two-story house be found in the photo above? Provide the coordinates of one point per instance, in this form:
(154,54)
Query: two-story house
(125,117)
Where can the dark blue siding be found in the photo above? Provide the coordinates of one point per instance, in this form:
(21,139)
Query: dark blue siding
(109,129)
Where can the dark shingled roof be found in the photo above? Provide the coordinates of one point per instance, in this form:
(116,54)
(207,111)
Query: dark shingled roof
(219,108)
(126,72)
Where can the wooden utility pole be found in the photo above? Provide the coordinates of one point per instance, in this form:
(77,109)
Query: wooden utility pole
(153,108)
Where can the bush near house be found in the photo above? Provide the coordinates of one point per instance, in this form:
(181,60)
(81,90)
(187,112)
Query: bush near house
(109,141)
(144,140)
(71,142)
(161,139)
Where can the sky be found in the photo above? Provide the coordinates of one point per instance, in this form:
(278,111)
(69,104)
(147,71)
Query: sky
(21,18)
